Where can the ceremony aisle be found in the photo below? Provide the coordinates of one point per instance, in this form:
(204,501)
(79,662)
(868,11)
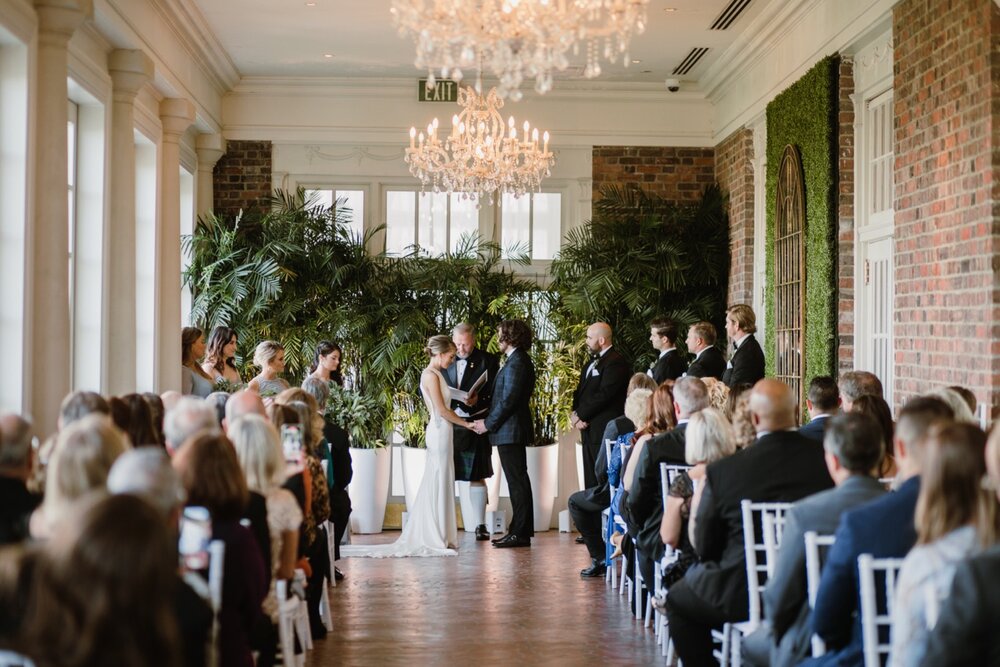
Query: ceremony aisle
(486,607)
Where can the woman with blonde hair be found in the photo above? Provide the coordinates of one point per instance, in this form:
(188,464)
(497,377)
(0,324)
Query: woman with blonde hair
(718,393)
(270,358)
(709,437)
(955,519)
(83,455)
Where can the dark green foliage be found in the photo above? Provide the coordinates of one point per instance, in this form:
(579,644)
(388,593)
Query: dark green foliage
(640,257)
(805,115)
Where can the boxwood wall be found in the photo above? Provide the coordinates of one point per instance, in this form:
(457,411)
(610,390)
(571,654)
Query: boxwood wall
(805,115)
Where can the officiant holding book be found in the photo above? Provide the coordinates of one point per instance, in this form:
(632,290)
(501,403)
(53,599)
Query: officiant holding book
(471,374)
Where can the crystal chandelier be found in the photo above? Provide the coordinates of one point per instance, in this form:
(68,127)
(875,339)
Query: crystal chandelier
(482,155)
(514,39)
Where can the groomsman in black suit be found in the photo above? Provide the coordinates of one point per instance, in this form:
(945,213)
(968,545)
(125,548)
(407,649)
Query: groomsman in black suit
(473,453)
(746,364)
(708,361)
(511,429)
(599,396)
(823,401)
(671,364)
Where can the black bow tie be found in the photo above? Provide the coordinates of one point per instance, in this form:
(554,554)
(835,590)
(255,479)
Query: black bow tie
(735,346)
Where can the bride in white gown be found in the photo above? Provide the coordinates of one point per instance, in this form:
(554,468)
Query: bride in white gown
(431,528)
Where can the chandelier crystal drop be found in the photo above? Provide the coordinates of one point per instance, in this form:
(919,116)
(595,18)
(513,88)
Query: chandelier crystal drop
(482,155)
(517,39)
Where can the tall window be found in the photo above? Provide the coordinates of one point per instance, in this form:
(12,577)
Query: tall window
(531,225)
(355,204)
(437,222)
(71,146)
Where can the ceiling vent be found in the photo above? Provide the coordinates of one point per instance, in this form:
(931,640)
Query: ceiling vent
(690,61)
(733,11)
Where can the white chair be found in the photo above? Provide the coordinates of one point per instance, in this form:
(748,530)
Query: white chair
(11,659)
(814,571)
(668,474)
(288,610)
(302,628)
(876,610)
(331,545)
(887,482)
(756,549)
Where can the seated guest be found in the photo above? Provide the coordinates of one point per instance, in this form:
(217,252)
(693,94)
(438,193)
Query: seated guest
(217,401)
(211,475)
(79,404)
(955,519)
(823,401)
(270,358)
(84,453)
(158,412)
(242,403)
(170,398)
(645,499)
(16,502)
(708,438)
(853,447)
(967,396)
(670,364)
(883,528)
(781,466)
(587,506)
(965,634)
(194,380)
(190,416)
(746,364)
(139,426)
(147,473)
(957,404)
(718,394)
(103,589)
(638,410)
(742,420)
(708,361)
(876,408)
(857,383)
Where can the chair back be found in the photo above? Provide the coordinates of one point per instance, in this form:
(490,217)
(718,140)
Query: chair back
(608,444)
(817,547)
(878,592)
(756,550)
(887,482)
(669,473)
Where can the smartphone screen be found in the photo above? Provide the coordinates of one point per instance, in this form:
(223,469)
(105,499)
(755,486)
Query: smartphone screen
(196,534)
(291,442)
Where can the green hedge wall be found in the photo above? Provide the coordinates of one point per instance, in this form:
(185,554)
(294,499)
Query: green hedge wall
(805,115)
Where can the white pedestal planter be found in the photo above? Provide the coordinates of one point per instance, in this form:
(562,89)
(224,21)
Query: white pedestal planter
(579,467)
(543,471)
(413,461)
(497,484)
(369,489)
(465,502)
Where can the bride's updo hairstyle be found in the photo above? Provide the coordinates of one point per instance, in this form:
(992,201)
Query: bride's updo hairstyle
(439,345)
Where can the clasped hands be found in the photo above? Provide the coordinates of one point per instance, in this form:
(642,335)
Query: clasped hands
(576,422)
(479,426)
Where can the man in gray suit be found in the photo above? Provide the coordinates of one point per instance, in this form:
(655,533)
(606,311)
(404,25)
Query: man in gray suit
(853,447)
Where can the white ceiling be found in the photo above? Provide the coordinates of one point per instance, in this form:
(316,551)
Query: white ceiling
(288,38)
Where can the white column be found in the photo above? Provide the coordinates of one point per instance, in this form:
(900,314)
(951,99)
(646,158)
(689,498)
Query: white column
(210,148)
(47,341)
(176,116)
(130,70)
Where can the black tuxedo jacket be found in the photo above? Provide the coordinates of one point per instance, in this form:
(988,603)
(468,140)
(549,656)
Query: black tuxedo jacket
(600,494)
(746,365)
(645,497)
(709,365)
(815,429)
(479,362)
(779,467)
(509,420)
(600,395)
(669,366)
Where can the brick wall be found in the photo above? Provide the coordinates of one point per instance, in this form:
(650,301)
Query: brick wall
(946,79)
(845,218)
(242,177)
(676,174)
(734,173)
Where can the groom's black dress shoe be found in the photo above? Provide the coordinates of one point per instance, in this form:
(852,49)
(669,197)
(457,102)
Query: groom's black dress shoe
(514,541)
(579,539)
(481,533)
(596,569)
(498,540)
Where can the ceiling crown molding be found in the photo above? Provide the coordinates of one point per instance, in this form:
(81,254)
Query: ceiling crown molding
(198,38)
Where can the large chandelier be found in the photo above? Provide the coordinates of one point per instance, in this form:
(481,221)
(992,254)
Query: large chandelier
(515,39)
(483,155)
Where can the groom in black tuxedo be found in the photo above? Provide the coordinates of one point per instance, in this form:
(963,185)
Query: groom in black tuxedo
(511,429)
(473,453)
(599,396)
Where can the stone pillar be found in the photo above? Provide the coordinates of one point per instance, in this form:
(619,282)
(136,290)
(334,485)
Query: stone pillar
(130,70)
(47,343)
(176,116)
(210,148)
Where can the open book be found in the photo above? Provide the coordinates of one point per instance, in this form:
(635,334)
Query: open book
(463,396)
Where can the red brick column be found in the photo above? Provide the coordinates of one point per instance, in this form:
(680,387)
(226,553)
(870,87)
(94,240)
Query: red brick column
(676,174)
(734,173)
(242,177)
(845,218)
(947,77)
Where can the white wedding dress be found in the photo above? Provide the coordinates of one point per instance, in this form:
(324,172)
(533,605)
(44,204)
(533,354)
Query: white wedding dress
(431,527)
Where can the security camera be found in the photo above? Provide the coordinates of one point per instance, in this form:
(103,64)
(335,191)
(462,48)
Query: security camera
(673,85)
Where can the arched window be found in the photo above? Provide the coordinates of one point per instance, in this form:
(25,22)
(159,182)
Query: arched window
(789,271)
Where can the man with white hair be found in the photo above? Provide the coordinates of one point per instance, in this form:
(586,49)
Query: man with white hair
(16,502)
(188,417)
(243,403)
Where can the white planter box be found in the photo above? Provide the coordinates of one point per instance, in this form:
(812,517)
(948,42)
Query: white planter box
(369,489)
(543,471)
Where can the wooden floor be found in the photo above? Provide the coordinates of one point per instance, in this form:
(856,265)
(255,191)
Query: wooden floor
(486,607)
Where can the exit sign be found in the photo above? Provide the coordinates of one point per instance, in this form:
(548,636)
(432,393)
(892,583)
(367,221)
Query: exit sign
(444,90)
